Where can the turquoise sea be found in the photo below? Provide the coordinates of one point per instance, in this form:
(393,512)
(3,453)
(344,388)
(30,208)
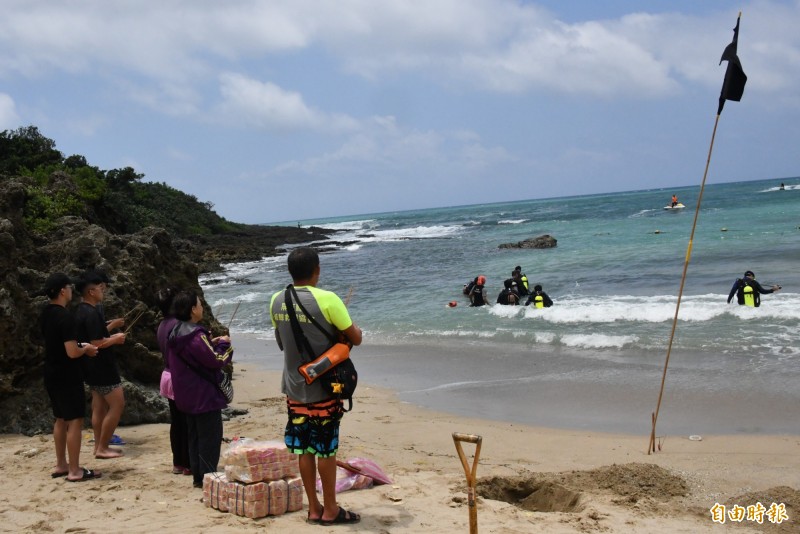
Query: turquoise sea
(614,278)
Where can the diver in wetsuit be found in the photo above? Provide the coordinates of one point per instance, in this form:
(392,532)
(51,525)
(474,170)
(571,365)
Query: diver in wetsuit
(748,292)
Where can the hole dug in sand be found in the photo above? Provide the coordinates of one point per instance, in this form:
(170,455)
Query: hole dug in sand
(531,494)
(631,484)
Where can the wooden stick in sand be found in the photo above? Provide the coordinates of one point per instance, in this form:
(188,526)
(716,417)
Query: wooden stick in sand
(471,497)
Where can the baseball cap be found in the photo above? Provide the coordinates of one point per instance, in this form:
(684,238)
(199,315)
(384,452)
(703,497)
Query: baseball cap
(55,283)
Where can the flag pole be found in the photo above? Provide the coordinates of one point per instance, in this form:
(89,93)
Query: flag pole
(732,89)
(652,447)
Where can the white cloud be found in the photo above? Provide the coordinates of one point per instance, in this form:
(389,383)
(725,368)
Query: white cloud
(384,152)
(264,104)
(165,53)
(9,119)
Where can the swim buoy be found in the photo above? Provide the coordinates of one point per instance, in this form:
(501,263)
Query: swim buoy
(452,304)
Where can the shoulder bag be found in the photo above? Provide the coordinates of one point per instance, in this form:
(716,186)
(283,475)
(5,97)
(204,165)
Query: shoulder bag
(333,368)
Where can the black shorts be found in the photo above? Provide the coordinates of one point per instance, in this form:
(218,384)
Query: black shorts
(68,401)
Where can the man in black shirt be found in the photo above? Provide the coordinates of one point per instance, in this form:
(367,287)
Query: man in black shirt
(101,373)
(63,378)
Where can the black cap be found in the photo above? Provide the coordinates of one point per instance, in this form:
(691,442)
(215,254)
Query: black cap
(750,273)
(55,283)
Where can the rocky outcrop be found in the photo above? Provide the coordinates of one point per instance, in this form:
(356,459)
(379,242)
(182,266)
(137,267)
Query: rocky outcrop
(542,241)
(138,264)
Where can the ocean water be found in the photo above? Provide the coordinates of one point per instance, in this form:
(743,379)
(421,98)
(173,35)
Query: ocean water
(614,277)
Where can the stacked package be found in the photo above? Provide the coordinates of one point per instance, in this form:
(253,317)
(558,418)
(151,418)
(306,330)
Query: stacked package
(215,491)
(259,461)
(260,479)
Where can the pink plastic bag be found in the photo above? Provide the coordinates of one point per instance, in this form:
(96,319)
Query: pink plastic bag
(357,473)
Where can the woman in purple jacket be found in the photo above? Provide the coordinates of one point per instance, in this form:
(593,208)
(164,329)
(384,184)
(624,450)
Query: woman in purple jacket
(196,361)
(178,434)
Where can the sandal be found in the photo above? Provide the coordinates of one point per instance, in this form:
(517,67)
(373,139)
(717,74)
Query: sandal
(88,474)
(343,517)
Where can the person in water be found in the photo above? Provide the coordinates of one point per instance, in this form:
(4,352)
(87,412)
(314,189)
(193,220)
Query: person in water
(468,287)
(748,292)
(508,296)
(477,295)
(674,200)
(539,298)
(522,281)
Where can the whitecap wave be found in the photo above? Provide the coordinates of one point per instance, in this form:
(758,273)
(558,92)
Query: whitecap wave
(413,232)
(597,341)
(345,225)
(787,187)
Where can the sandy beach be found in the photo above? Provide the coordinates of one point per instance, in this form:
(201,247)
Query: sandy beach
(530,479)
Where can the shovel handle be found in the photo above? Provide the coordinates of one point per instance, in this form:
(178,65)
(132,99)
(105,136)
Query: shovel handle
(470,474)
(469,438)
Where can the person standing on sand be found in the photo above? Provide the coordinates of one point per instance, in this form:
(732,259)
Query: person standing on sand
(178,431)
(196,361)
(312,430)
(101,373)
(63,378)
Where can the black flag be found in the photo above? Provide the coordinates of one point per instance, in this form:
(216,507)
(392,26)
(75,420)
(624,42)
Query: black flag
(735,78)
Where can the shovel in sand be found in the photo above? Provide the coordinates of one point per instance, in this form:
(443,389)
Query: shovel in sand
(470,473)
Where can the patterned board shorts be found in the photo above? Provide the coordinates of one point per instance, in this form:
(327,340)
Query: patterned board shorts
(313,428)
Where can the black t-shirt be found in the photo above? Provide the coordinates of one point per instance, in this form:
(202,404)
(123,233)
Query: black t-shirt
(100,370)
(58,327)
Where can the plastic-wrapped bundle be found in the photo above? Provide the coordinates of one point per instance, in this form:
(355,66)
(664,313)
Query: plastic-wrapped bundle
(253,461)
(278,497)
(296,494)
(249,500)
(215,491)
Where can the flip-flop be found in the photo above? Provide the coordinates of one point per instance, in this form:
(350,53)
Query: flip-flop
(111,457)
(116,440)
(59,474)
(87,474)
(343,517)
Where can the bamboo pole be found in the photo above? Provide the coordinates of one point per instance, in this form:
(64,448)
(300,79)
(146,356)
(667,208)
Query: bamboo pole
(652,446)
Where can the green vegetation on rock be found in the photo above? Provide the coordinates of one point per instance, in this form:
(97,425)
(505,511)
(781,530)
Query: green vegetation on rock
(117,199)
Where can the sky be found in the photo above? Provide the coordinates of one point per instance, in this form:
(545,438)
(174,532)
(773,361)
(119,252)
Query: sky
(303,109)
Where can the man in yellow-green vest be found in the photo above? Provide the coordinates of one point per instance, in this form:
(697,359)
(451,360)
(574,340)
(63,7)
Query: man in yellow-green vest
(748,292)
